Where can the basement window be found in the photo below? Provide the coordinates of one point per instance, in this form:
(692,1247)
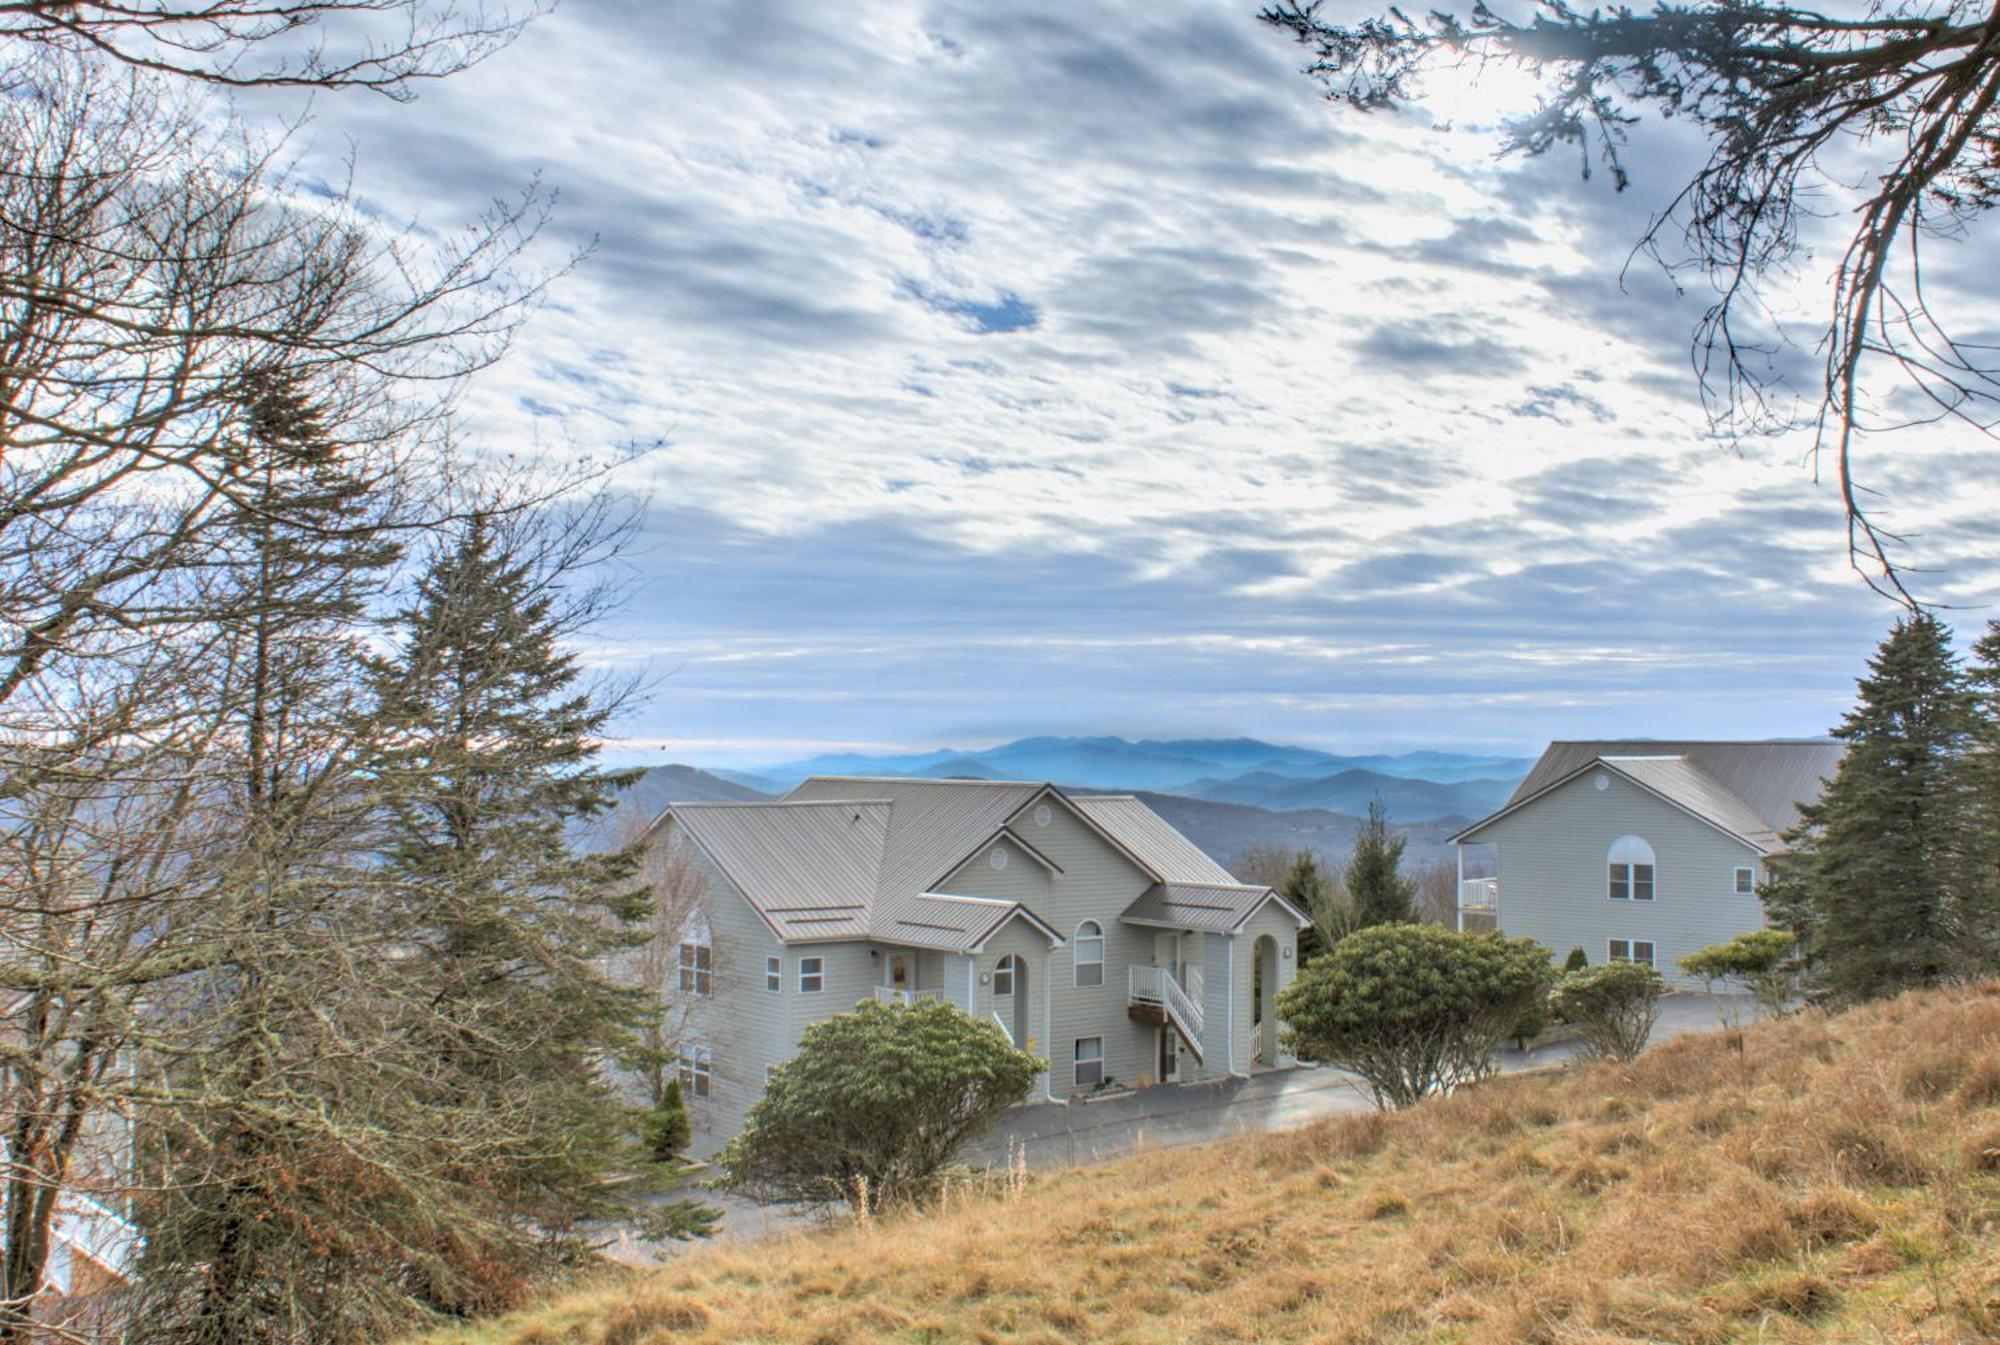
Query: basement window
(1631,950)
(1089,1062)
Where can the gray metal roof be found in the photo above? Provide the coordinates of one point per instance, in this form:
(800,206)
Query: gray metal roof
(809,868)
(845,857)
(1751,789)
(1152,840)
(1219,908)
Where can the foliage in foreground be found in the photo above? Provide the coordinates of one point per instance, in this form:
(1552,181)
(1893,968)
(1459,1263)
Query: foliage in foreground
(1762,961)
(1612,1006)
(1836,1179)
(1414,1009)
(875,1104)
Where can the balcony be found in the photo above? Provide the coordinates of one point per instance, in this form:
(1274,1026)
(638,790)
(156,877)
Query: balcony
(1153,995)
(885,995)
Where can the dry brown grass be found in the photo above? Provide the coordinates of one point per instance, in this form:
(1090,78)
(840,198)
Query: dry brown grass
(1835,1179)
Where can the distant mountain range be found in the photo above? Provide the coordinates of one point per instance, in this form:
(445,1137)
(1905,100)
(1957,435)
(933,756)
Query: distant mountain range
(1413,787)
(1226,795)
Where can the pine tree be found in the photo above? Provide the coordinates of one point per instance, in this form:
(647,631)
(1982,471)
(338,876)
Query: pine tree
(1375,882)
(1982,900)
(1881,858)
(488,771)
(1320,899)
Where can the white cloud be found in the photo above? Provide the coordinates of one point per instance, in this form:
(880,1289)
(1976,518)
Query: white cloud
(1023,364)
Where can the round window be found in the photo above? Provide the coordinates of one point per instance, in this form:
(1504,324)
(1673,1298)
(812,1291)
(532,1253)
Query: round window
(1600,781)
(998,859)
(1042,815)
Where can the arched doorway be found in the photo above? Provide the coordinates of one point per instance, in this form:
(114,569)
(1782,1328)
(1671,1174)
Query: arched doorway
(1264,999)
(1013,974)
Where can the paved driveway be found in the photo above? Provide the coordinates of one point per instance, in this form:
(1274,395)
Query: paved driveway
(1052,1135)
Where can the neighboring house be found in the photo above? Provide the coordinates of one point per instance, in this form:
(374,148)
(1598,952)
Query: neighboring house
(1083,927)
(1640,850)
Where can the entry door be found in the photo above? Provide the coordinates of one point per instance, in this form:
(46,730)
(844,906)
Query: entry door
(899,971)
(1170,1054)
(1167,953)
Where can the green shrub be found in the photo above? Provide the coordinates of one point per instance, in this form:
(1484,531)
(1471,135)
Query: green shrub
(1613,1007)
(875,1104)
(1413,1009)
(1763,961)
(667,1131)
(1577,960)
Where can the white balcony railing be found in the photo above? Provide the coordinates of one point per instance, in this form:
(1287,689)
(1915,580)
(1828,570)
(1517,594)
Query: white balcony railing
(1005,1031)
(1156,985)
(1479,894)
(886,995)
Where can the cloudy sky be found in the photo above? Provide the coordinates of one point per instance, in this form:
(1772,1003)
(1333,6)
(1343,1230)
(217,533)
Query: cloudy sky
(1040,367)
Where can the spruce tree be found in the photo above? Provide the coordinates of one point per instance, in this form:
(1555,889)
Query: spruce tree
(1318,897)
(1982,891)
(1375,882)
(1881,860)
(487,772)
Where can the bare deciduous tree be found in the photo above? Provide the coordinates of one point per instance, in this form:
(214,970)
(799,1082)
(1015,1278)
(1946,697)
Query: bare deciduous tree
(383,45)
(1901,99)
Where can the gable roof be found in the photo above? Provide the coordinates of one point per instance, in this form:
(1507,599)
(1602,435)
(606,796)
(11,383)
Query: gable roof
(1194,892)
(1751,790)
(849,857)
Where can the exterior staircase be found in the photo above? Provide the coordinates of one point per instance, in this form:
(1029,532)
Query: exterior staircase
(1156,996)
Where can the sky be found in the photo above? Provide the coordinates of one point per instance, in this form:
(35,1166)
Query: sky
(996,369)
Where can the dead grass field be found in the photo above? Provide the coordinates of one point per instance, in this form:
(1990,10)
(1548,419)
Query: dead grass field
(1837,1179)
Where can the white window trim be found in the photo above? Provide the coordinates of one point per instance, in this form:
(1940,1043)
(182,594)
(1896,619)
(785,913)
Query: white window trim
(1077,1062)
(1004,968)
(774,975)
(1737,885)
(1652,958)
(818,973)
(695,978)
(696,1071)
(1078,961)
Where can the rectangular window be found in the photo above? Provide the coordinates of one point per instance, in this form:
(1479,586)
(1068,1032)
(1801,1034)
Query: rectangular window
(697,968)
(1003,977)
(1631,950)
(1089,1061)
(1621,881)
(774,973)
(1088,955)
(1746,882)
(696,1067)
(1642,882)
(812,975)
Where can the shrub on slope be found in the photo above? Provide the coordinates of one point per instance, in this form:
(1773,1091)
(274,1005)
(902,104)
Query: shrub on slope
(1836,1179)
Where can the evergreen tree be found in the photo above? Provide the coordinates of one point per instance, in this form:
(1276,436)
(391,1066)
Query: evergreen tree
(1375,882)
(1882,859)
(486,770)
(1321,900)
(1982,901)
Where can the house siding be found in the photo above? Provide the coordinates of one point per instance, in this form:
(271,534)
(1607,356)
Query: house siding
(1276,921)
(744,1026)
(1551,860)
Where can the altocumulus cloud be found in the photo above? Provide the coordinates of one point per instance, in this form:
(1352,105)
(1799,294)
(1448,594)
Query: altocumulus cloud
(1027,366)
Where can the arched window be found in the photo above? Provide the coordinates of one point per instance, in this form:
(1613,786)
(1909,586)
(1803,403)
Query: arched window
(1005,975)
(1630,864)
(1089,954)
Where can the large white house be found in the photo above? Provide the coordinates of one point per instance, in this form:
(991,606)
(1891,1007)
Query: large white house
(1085,928)
(1638,850)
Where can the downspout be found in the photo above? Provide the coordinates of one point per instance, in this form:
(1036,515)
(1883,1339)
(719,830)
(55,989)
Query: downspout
(1229,1014)
(1458,893)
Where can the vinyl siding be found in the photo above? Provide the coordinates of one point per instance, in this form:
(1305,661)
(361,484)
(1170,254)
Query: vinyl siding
(1023,880)
(1275,921)
(744,1026)
(1551,861)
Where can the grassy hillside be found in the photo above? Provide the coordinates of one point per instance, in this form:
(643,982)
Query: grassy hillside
(1835,1179)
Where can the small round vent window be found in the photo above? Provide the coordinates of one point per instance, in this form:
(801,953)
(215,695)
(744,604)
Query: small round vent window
(998,859)
(1042,815)
(1600,781)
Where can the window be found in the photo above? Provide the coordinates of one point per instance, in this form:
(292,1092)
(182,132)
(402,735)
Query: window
(1089,1061)
(1089,955)
(1631,950)
(697,963)
(1746,881)
(696,1065)
(1003,977)
(774,973)
(1631,870)
(812,975)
